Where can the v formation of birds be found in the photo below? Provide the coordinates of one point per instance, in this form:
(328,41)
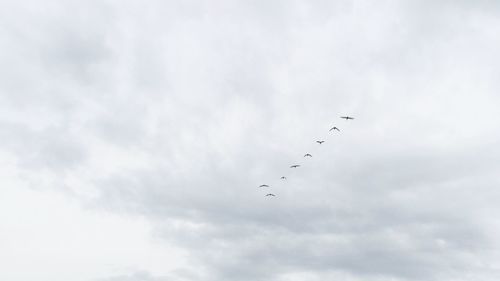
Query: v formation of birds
(347,118)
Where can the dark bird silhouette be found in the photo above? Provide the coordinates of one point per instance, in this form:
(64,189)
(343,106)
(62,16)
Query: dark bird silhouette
(347,117)
(270,194)
(283,178)
(294,166)
(308,155)
(320,142)
(264,185)
(334,128)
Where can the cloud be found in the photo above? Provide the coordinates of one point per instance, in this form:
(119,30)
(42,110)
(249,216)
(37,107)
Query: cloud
(177,112)
(137,276)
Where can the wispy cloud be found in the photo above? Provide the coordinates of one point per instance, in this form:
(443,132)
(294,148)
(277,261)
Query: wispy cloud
(175,113)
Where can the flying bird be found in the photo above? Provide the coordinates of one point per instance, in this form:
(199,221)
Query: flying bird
(294,166)
(264,185)
(283,178)
(320,142)
(270,194)
(308,155)
(347,117)
(334,128)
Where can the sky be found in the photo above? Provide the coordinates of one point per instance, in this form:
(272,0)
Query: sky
(134,136)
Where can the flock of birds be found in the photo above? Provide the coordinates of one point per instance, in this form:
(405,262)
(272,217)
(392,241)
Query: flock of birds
(307,154)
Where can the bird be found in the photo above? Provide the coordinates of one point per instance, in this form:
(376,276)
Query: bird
(283,178)
(320,142)
(334,128)
(347,117)
(294,166)
(308,155)
(264,185)
(270,194)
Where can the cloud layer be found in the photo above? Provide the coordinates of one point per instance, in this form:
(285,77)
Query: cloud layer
(175,112)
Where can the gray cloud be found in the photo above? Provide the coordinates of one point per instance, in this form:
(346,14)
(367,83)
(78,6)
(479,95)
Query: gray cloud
(177,112)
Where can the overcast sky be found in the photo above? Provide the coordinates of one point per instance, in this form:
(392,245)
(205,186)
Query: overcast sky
(134,136)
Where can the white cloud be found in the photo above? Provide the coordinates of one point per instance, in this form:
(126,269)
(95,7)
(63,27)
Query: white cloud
(159,120)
